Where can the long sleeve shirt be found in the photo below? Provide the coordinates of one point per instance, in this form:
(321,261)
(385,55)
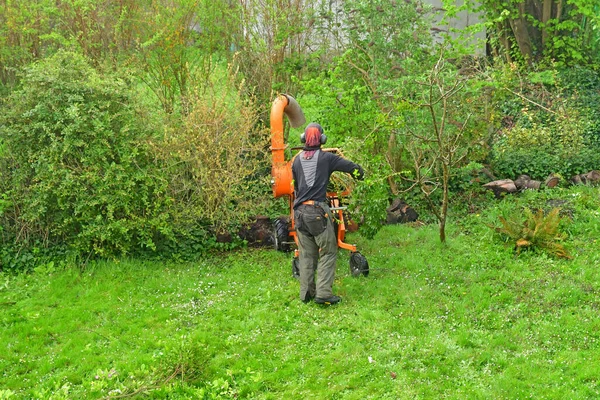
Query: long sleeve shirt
(311,176)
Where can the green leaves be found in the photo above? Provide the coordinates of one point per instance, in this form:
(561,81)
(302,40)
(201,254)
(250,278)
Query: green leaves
(77,165)
(536,231)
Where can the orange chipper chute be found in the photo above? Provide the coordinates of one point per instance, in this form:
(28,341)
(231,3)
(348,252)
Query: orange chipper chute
(281,171)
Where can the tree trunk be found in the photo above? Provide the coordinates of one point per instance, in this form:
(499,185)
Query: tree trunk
(559,9)
(445,200)
(390,158)
(546,15)
(519,28)
(504,41)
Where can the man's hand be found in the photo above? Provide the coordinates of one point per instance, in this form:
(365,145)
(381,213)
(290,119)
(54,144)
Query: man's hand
(358,173)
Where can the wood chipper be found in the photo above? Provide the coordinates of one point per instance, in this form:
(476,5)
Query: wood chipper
(281,179)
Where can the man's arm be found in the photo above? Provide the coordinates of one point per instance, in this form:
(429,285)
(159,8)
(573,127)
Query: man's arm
(344,165)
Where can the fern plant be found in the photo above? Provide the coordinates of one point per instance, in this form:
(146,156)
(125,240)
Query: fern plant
(537,231)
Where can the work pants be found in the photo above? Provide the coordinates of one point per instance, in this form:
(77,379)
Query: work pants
(317,254)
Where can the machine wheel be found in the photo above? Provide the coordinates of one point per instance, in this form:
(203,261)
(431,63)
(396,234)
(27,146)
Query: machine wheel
(358,264)
(296,268)
(281,235)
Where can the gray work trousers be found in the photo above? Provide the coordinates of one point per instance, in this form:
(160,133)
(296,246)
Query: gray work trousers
(317,254)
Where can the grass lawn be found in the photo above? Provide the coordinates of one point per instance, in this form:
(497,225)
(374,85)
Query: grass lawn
(463,320)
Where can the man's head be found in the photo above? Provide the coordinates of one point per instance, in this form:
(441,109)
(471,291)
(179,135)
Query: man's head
(313,135)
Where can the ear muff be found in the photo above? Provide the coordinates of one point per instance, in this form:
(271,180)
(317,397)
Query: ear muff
(323,139)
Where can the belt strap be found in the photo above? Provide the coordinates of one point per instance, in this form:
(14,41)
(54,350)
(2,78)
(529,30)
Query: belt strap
(314,203)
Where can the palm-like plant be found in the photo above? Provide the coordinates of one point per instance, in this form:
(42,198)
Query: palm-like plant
(536,231)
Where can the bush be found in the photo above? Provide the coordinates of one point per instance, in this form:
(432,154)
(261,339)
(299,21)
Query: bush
(582,87)
(535,231)
(215,159)
(560,146)
(76,167)
(550,122)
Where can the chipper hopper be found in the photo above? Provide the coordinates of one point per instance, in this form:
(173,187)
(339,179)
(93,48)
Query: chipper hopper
(281,173)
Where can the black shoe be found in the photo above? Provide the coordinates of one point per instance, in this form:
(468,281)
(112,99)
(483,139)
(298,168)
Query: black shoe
(329,300)
(308,298)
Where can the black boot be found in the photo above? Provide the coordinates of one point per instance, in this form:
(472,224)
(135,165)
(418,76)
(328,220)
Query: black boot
(328,300)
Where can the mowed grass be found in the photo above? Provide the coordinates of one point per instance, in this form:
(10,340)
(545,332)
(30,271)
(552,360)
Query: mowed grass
(463,320)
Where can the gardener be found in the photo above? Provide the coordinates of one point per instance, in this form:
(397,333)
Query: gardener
(317,241)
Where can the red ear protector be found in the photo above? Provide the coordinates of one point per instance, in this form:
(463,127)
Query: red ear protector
(319,127)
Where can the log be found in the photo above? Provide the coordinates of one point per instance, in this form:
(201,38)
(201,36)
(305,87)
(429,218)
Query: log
(399,213)
(524,182)
(501,187)
(590,178)
(351,226)
(259,233)
(593,176)
(552,181)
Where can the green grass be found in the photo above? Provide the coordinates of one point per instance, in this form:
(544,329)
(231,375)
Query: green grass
(462,320)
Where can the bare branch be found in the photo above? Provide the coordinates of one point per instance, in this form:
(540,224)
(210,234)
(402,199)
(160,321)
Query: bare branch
(535,103)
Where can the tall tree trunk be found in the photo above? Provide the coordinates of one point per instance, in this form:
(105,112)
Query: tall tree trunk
(519,28)
(445,201)
(559,9)
(392,162)
(546,15)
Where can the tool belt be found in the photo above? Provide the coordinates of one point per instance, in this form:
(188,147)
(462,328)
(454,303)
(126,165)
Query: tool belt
(311,220)
(313,203)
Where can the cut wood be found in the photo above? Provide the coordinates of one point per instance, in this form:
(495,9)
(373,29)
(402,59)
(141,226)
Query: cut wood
(591,177)
(552,181)
(525,182)
(399,213)
(501,187)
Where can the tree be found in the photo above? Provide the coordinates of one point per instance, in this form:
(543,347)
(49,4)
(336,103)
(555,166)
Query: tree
(382,44)
(531,31)
(440,134)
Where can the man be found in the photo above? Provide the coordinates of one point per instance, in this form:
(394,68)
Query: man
(317,240)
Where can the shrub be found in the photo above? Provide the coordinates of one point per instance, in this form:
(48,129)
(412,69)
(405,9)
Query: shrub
(582,87)
(535,231)
(550,122)
(214,156)
(560,145)
(76,167)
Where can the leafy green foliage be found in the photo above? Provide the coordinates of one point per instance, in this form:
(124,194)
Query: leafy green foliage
(557,146)
(441,134)
(548,122)
(272,40)
(77,165)
(213,155)
(581,86)
(370,200)
(535,231)
(355,66)
(172,68)
(356,99)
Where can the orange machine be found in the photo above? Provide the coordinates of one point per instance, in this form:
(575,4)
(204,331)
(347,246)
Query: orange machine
(281,173)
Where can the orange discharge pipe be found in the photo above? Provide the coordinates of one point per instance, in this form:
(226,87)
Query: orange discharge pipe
(281,170)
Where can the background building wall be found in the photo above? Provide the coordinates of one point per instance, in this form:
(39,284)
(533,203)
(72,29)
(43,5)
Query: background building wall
(464,19)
